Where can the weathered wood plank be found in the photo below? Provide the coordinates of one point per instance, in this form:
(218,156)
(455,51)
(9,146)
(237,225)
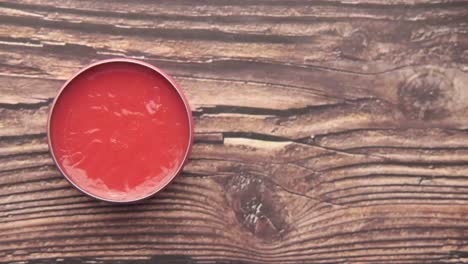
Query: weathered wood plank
(326,131)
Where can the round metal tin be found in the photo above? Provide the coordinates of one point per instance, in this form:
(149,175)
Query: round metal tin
(174,85)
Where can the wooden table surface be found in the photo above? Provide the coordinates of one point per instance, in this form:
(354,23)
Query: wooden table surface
(326,131)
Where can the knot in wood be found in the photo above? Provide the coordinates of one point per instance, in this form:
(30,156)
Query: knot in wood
(256,205)
(426,96)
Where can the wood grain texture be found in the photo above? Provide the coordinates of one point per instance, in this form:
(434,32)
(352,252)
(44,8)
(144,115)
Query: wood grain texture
(326,131)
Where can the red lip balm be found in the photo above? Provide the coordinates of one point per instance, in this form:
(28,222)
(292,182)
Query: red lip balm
(120,130)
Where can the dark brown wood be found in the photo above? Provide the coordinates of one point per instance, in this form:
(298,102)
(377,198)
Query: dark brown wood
(326,131)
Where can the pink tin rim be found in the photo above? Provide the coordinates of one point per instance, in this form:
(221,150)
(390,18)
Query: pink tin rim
(176,88)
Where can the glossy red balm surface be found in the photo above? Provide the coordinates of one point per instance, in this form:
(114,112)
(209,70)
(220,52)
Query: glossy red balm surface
(119,131)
